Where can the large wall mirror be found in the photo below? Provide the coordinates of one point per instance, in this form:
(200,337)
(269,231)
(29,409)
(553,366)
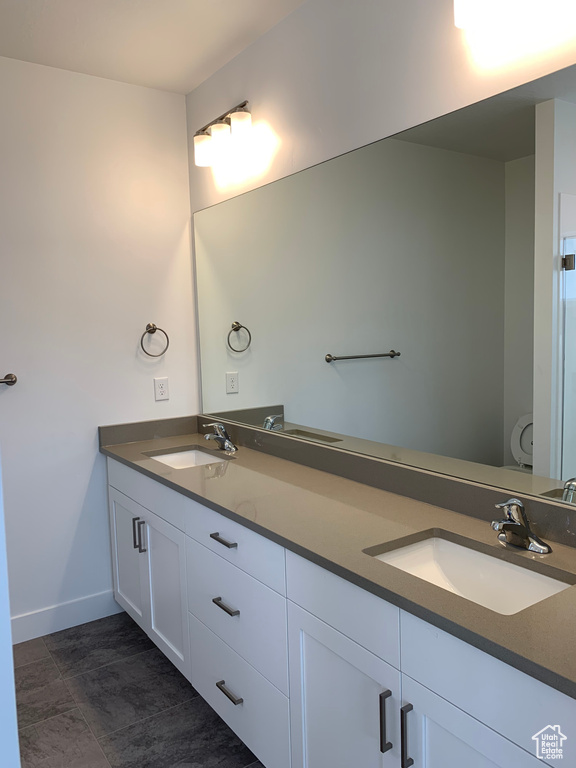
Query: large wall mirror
(422,243)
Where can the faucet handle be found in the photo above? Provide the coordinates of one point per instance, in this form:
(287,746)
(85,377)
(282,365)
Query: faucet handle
(505,504)
(569,490)
(219,429)
(515,529)
(270,421)
(514,511)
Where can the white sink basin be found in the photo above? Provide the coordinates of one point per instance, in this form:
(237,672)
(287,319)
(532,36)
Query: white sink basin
(496,584)
(185,459)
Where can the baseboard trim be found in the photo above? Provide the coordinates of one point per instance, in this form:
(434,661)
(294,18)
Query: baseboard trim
(27,626)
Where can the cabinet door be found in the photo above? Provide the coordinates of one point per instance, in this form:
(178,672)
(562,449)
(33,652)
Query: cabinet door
(344,701)
(129,568)
(165,559)
(437,734)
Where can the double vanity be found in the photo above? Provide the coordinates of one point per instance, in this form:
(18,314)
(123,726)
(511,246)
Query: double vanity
(332,623)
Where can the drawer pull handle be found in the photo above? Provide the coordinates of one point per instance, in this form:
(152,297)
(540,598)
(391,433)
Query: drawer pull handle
(135,532)
(385,745)
(405,761)
(141,547)
(221,685)
(230,611)
(229,544)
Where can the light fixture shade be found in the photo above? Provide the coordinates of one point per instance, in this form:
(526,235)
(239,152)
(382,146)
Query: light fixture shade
(220,133)
(240,122)
(202,149)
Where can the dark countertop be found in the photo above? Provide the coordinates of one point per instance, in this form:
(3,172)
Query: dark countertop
(330,520)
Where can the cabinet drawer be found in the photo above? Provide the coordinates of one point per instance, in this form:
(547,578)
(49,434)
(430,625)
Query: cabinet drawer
(262,719)
(505,699)
(258,631)
(164,502)
(371,622)
(249,551)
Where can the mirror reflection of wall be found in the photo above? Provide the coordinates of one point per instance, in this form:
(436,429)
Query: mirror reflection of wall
(398,245)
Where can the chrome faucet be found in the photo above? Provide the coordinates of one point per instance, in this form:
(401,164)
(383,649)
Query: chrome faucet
(221,437)
(569,490)
(515,528)
(270,422)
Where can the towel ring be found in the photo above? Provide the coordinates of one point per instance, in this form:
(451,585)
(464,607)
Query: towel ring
(235,328)
(151,328)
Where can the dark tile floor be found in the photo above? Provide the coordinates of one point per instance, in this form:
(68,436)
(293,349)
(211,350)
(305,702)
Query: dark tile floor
(102,696)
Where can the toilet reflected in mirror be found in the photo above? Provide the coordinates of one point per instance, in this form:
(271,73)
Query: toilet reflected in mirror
(522,444)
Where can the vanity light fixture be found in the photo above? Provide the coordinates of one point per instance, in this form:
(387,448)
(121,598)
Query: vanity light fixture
(202,146)
(240,122)
(212,141)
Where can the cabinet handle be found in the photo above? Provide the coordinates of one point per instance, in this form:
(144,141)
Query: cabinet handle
(230,611)
(134,533)
(405,761)
(384,744)
(141,525)
(221,685)
(229,544)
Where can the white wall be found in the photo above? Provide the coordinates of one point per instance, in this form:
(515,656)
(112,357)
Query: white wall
(519,296)
(94,243)
(8,724)
(334,76)
(396,245)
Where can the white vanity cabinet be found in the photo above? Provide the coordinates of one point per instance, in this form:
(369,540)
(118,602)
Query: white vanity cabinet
(149,561)
(212,595)
(238,630)
(500,701)
(127,566)
(309,669)
(149,558)
(452,706)
(344,682)
(436,734)
(344,700)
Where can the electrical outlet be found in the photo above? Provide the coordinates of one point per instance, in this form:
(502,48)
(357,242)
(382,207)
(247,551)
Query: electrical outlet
(161,389)
(232,386)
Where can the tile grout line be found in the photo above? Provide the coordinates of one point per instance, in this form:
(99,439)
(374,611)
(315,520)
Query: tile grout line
(101,666)
(29,663)
(94,737)
(144,719)
(79,704)
(47,719)
(52,656)
(19,666)
(79,707)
